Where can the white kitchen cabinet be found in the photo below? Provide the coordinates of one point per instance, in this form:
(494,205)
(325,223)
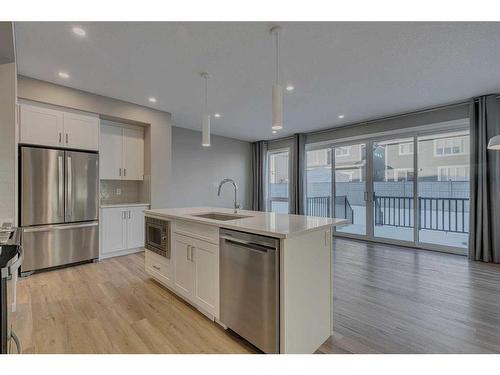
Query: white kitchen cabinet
(110,153)
(196,272)
(81,132)
(113,230)
(40,126)
(135,227)
(53,127)
(122,230)
(206,289)
(122,152)
(159,267)
(184,267)
(133,154)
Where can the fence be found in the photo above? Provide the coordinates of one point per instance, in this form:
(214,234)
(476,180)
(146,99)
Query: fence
(321,206)
(440,214)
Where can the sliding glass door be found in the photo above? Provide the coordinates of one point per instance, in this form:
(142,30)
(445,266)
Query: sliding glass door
(410,190)
(278,190)
(443,188)
(350,186)
(393,180)
(319,182)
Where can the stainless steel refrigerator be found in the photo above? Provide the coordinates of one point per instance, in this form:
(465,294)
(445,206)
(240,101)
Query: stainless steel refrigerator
(59,207)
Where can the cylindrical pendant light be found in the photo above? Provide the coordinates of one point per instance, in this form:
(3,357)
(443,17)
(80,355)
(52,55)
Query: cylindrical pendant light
(277,96)
(205,119)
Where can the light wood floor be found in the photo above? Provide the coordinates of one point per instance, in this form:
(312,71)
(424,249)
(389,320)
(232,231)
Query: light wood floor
(387,299)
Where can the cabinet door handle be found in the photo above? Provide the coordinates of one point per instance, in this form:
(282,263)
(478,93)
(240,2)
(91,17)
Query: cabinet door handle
(66,138)
(156,267)
(192,253)
(60,137)
(124,172)
(119,172)
(129,214)
(188,249)
(124,214)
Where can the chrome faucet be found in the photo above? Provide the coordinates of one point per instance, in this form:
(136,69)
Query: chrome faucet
(236,204)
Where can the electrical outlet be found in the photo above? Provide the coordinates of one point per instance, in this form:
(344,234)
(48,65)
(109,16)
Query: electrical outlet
(118,191)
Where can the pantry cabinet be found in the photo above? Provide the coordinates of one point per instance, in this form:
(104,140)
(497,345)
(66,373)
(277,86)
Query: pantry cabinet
(53,127)
(122,230)
(122,152)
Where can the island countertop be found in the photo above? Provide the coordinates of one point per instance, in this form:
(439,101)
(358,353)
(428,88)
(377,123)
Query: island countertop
(264,223)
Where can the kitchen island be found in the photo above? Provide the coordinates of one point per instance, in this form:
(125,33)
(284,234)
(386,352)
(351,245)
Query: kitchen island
(194,263)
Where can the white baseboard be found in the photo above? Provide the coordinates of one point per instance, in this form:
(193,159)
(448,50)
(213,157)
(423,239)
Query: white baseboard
(120,253)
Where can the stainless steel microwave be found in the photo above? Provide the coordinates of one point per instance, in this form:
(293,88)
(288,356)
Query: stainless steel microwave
(157,236)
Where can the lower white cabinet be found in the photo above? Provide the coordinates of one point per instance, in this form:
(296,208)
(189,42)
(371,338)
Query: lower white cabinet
(159,267)
(193,268)
(196,272)
(122,230)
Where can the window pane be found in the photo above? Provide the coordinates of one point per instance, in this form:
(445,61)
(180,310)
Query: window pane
(350,187)
(278,182)
(443,188)
(393,189)
(319,183)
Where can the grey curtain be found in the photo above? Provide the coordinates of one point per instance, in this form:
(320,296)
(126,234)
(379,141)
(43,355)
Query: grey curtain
(484,238)
(259,151)
(298,167)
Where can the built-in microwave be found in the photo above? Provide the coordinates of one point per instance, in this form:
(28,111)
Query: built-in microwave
(157,236)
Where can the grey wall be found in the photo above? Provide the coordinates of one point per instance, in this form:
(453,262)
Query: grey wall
(8,197)
(197,170)
(157,162)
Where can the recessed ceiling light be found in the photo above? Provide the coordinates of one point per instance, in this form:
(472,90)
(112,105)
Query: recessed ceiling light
(274,131)
(290,87)
(341,116)
(152,100)
(63,75)
(217,115)
(79,31)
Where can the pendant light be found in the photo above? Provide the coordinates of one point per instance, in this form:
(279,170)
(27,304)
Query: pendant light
(205,119)
(277,118)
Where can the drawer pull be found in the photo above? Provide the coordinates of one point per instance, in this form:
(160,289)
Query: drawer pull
(156,267)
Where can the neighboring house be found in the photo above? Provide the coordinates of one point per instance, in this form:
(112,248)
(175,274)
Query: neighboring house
(439,159)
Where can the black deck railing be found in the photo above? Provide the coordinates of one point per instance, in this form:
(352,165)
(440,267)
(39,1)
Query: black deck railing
(322,206)
(440,214)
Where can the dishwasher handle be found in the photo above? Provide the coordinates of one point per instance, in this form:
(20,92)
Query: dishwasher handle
(248,244)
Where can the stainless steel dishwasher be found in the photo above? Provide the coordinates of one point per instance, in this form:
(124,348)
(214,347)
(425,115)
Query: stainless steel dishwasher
(249,287)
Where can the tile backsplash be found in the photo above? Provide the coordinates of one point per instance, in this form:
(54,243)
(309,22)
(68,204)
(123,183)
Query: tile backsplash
(116,191)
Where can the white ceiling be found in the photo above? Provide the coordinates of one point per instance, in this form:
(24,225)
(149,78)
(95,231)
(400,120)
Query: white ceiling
(361,70)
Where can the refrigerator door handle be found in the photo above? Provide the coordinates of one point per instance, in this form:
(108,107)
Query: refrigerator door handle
(46,228)
(69,177)
(61,185)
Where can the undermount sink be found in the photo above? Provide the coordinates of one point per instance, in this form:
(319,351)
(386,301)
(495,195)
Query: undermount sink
(221,216)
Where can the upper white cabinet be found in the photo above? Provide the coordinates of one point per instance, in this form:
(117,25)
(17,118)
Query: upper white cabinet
(111,153)
(52,127)
(122,152)
(133,154)
(81,131)
(41,125)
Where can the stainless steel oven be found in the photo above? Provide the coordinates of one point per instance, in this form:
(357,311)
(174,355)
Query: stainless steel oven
(157,236)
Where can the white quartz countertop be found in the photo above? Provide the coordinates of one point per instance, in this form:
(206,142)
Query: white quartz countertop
(264,223)
(111,205)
